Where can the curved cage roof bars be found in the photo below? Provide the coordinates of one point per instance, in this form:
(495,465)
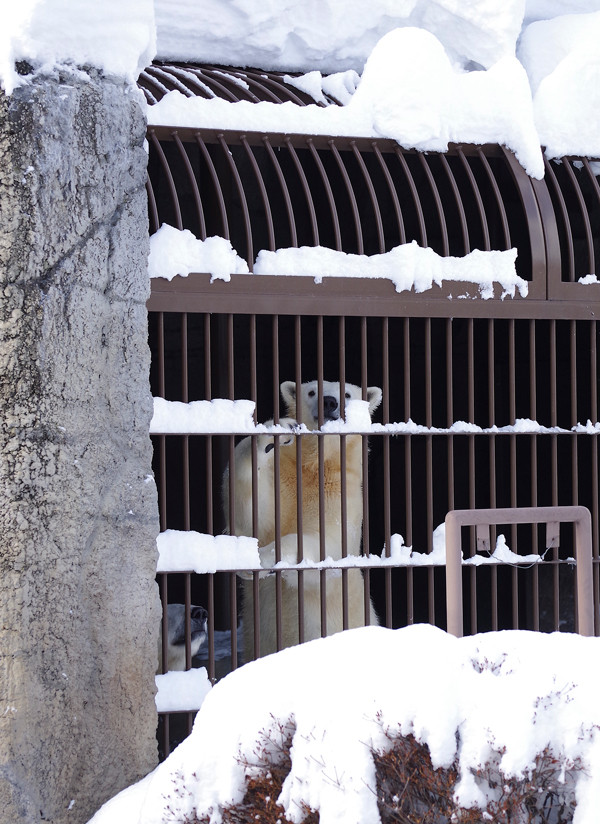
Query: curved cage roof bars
(364,196)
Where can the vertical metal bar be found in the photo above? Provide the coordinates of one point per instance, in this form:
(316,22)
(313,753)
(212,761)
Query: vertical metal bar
(585,218)
(364,348)
(307,191)
(554,470)
(464,229)
(185,441)
(154,220)
(169,177)
(372,195)
(217,184)
(243,201)
(595,508)
(472,471)
(164,598)
(289,208)
(162,441)
(351,196)
(387,474)
(343,467)
(210,608)
(233,619)
(187,600)
(299,519)
(277,481)
(410,615)
(321,469)
(498,198)
(328,192)
(429,469)
(535,588)
(438,201)
(193,186)
(491,369)
(263,192)
(414,193)
(551,180)
(478,200)
(512,380)
(392,190)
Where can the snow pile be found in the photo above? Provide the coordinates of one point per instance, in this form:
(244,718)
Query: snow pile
(436,103)
(511,693)
(178,252)
(118,38)
(181,691)
(562,59)
(218,415)
(189,551)
(330,36)
(460,78)
(408,266)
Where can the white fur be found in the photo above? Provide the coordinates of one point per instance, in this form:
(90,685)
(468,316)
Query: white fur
(316,585)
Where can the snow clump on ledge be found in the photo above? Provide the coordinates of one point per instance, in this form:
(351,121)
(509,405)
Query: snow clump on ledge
(408,266)
(512,693)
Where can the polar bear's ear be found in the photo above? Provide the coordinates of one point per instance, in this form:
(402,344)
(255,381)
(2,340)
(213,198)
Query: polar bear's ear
(374,395)
(288,393)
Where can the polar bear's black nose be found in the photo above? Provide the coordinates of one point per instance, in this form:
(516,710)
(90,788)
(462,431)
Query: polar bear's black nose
(330,406)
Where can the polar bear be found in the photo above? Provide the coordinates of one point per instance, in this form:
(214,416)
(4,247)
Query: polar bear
(320,478)
(176,635)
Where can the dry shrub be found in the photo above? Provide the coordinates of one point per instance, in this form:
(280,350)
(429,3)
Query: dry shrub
(409,789)
(266,769)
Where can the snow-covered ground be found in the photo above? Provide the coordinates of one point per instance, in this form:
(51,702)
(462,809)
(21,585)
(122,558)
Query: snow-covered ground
(514,693)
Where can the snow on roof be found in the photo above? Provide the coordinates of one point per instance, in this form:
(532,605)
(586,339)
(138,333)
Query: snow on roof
(434,71)
(116,37)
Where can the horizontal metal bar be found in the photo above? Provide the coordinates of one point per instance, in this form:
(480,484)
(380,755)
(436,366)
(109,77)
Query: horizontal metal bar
(371,297)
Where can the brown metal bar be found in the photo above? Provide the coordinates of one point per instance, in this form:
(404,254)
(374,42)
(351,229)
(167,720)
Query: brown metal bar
(284,190)
(459,206)
(193,185)
(306,190)
(216,183)
(330,198)
(243,201)
(478,199)
(263,192)
(578,515)
(372,195)
(438,201)
(169,177)
(415,195)
(589,237)
(551,177)
(351,196)
(391,189)
(497,197)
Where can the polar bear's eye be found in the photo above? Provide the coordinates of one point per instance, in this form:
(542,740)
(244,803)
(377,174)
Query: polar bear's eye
(347,396)
(311,393)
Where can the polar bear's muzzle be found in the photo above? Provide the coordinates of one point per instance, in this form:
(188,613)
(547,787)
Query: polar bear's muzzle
(331,408)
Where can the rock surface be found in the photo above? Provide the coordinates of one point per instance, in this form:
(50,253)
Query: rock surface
(79,609)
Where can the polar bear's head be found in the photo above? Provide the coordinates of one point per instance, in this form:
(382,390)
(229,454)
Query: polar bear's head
(307,410)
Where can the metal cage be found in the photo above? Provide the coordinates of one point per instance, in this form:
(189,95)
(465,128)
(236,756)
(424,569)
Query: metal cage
(502,395)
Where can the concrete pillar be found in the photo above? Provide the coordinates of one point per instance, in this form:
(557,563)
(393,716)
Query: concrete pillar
(79,608)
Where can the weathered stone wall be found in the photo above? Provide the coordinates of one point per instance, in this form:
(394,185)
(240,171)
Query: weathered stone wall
(79,608)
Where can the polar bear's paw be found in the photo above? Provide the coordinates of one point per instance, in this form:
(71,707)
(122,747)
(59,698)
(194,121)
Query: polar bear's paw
(268,443)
